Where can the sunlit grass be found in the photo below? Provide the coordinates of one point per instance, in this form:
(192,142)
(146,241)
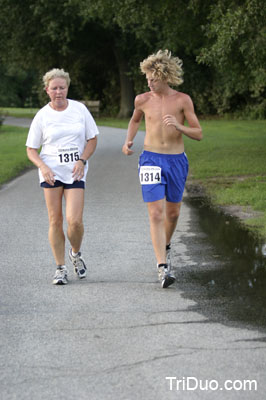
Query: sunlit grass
(230,161)
(13,158)
(18,112)
(101,121)
(228,148)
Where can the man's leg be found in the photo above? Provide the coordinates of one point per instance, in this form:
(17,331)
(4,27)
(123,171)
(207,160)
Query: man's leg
(156,210)
(172,211)
(74,216)
(53,198)
(157,217)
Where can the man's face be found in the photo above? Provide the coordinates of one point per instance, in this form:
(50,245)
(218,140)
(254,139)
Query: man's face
(154,84)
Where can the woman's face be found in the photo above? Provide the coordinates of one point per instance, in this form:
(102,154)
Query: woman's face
(57,91)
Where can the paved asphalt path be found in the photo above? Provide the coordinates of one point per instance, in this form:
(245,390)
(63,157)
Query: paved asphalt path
(117,334)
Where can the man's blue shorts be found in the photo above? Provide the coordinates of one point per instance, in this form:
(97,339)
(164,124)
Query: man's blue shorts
(165,176)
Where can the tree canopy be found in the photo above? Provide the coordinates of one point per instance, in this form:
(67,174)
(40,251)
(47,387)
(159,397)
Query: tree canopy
(101,43)
(235,49)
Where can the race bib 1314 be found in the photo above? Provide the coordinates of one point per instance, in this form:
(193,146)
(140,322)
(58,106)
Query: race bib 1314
(149,175)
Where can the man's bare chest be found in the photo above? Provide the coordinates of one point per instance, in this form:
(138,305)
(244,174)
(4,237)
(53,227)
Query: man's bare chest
(156,110)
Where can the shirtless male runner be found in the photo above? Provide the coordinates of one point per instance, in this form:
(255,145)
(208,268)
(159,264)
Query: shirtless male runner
(163,165)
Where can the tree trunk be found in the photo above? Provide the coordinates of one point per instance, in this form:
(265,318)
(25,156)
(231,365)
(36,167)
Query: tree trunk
(126,86)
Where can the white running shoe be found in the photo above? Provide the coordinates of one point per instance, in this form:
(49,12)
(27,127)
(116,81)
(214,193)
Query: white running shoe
(60,277)
(79,265)
(166,277)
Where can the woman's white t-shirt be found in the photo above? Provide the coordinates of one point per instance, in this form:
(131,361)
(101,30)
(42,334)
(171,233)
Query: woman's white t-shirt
(63,136)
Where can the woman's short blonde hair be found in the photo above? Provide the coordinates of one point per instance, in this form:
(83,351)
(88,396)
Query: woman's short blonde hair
(164,67)
(55,73)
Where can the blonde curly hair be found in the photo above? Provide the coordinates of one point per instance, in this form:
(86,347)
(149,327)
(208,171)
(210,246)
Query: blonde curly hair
(164,67)
(55,73)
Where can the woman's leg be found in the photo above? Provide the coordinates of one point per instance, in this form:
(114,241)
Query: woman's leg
(53,198)
(74,216)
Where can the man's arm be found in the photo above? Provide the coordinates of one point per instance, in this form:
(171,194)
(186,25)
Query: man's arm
(133,127)
(193,131)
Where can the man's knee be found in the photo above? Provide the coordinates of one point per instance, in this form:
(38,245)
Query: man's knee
(156,214)
(172,213)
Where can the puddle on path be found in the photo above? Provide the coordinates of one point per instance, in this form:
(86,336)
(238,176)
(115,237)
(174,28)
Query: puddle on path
(229,281)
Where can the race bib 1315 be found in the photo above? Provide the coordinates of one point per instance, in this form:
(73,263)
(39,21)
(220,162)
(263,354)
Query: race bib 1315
(68,155)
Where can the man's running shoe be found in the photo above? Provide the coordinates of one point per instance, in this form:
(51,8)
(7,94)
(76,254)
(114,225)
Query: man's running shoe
(79,264)
(166,277)
(60,277)
(168,255)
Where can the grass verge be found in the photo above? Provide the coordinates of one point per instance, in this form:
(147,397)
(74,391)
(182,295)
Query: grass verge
(18,112)
(13,159)
(229,163)
(30,113)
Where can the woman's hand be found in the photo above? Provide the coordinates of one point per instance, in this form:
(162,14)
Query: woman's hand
(78,170)
(47,174)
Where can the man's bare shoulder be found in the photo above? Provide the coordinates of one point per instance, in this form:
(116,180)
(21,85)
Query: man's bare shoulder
(183,97)
(183,100)
(141,99)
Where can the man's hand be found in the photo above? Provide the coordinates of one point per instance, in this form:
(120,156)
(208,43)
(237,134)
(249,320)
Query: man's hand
(126,148)
(170,120)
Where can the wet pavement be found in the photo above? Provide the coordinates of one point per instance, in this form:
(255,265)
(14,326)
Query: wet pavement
(232,276)
(117,334)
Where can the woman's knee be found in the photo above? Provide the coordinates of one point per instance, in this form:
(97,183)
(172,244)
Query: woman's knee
(74,224)
(56,221)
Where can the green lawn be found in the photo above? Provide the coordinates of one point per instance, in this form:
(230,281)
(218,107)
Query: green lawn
(18,112)
(13,159)
(30,112)
(230,161)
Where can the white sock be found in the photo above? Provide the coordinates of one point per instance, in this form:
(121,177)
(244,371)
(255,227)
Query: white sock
(74,254)
(162,265)
(61,266)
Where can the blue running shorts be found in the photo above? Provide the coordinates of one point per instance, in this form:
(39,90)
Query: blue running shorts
(163,175)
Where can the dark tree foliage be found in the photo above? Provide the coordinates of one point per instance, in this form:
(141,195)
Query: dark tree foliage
(101,43)
(235,49)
